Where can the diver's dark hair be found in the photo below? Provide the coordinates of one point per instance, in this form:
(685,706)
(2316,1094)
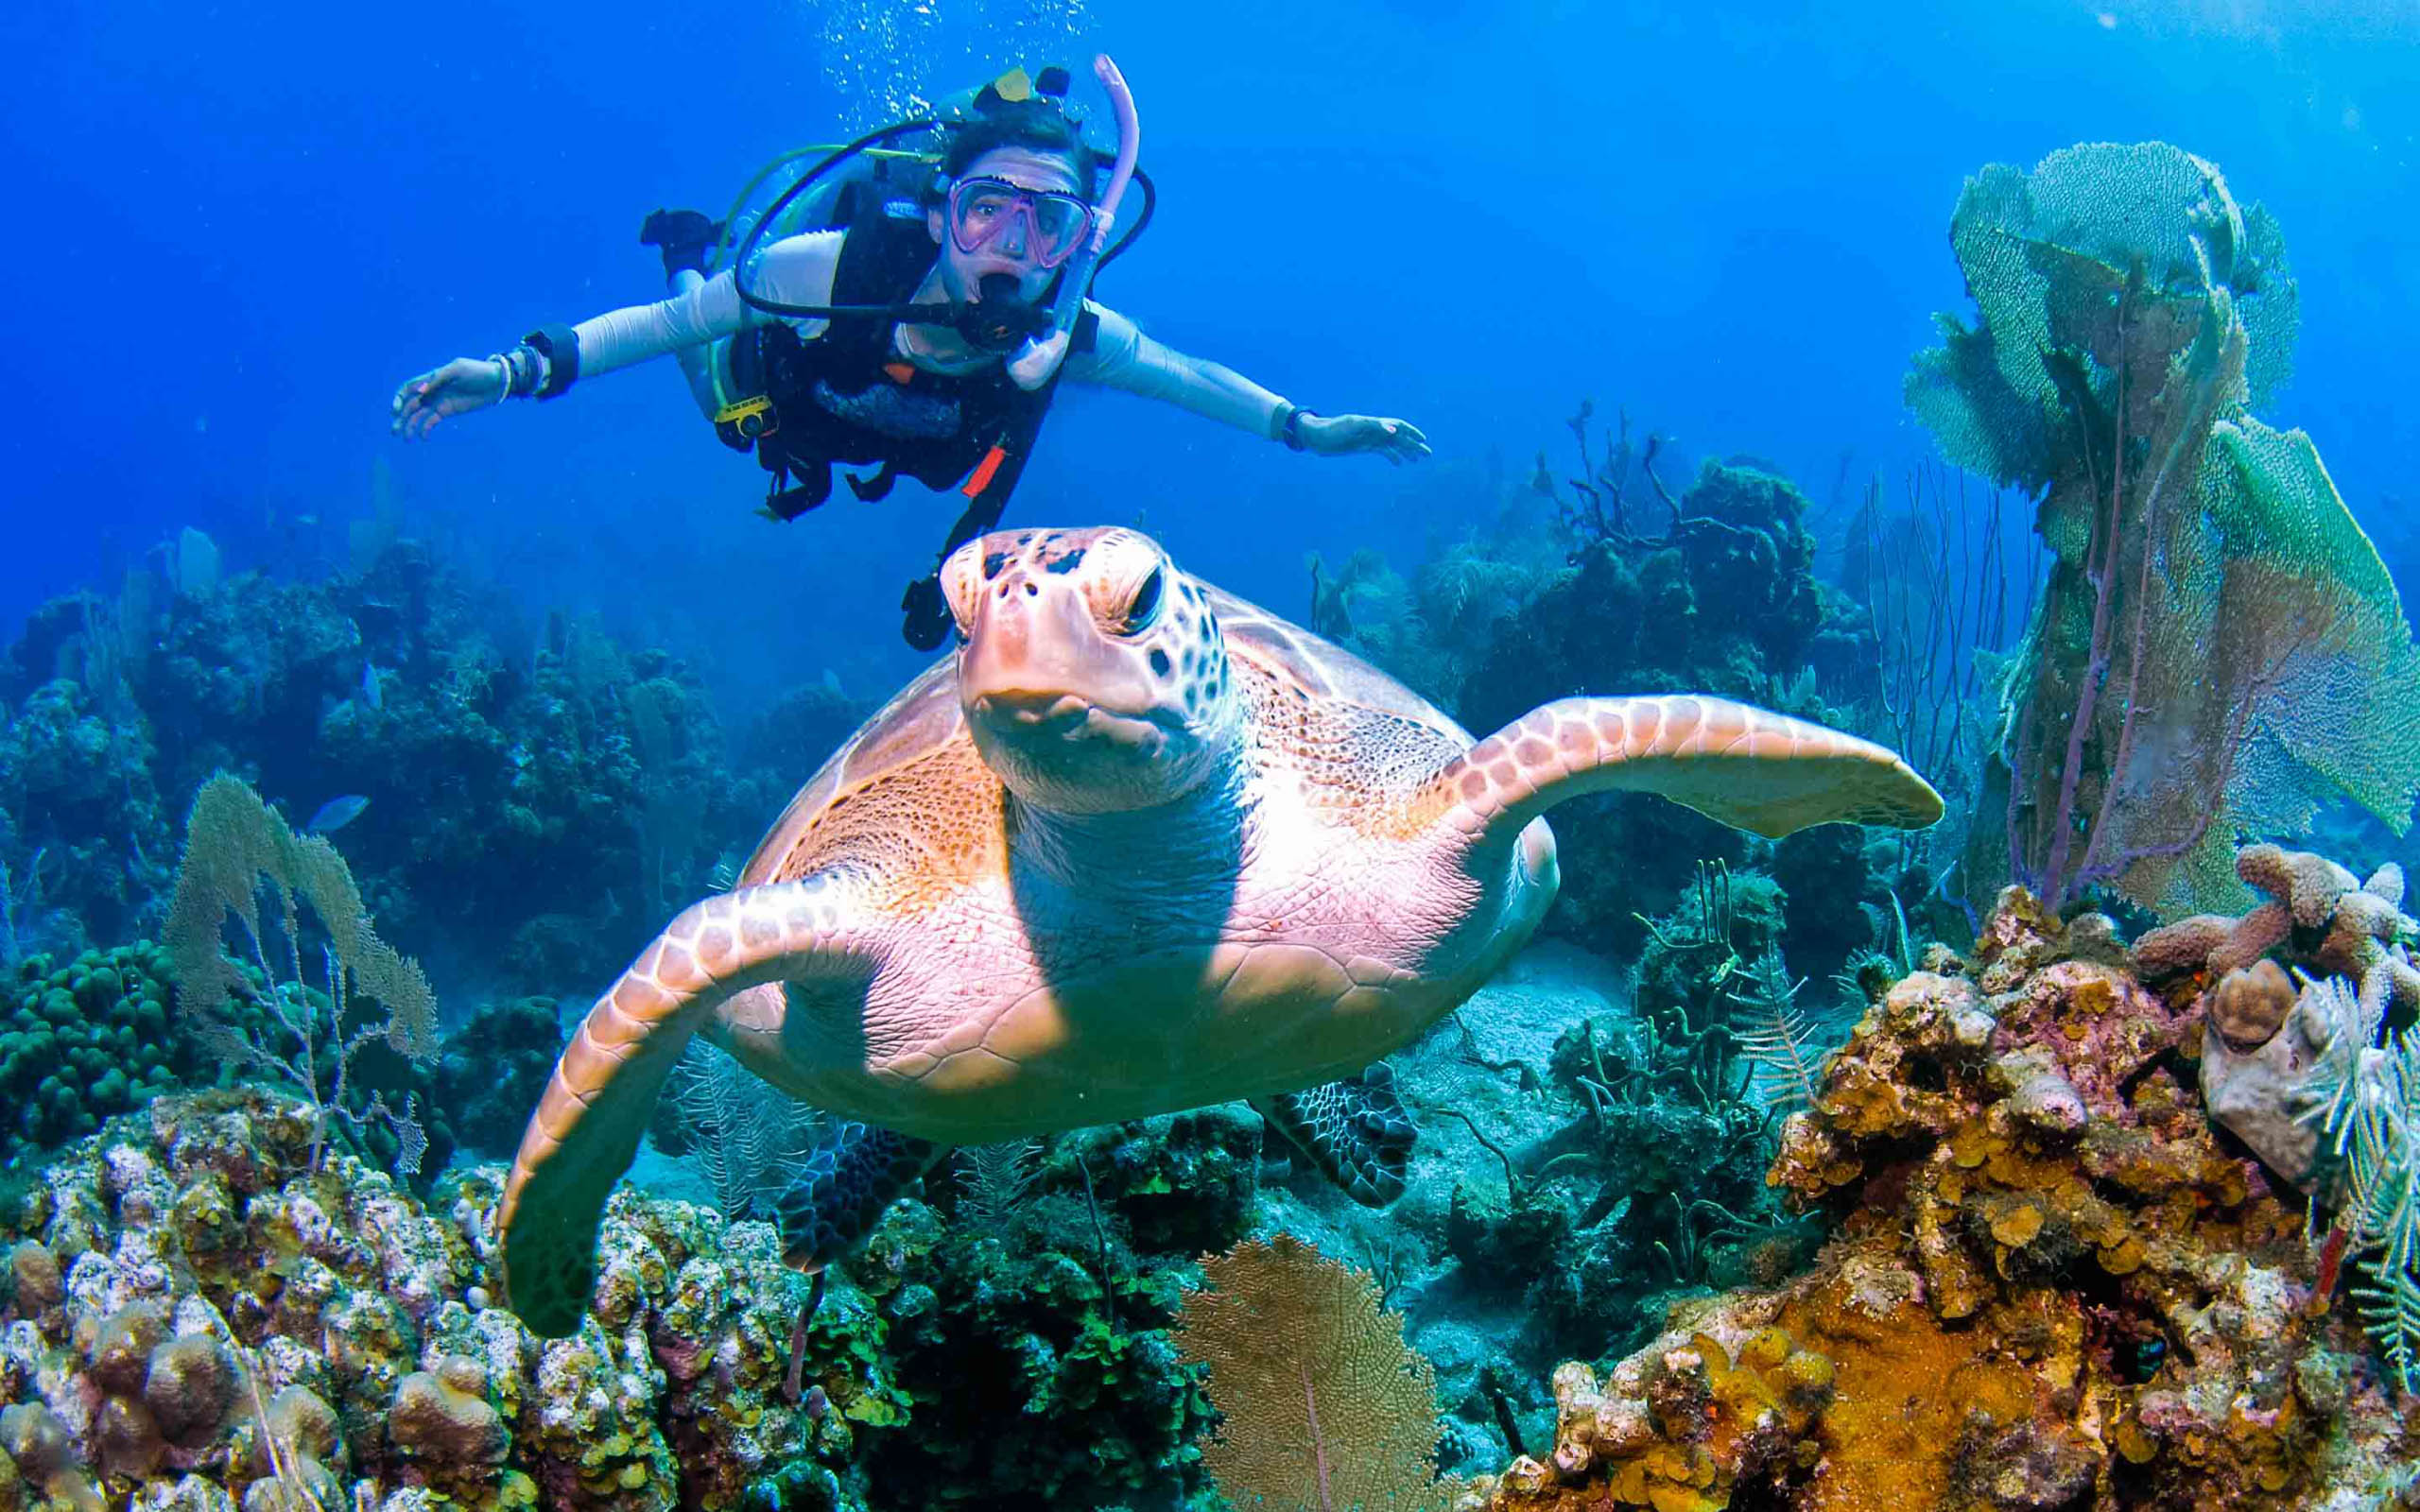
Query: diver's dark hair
(1037,123)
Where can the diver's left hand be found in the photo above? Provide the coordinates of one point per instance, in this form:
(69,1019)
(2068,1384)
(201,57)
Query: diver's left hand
(1397,441)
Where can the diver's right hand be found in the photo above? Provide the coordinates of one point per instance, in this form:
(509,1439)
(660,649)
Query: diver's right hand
(462,386)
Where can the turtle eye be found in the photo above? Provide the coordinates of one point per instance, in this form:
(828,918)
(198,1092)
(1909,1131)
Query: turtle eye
(1143,609)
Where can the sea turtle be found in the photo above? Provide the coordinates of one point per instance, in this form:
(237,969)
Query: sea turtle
(1136,845)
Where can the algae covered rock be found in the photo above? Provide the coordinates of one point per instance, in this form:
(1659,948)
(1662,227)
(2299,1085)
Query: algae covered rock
(2050,1285)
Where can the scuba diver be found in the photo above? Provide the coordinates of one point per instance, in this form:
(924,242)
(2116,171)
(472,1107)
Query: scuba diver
(911,308)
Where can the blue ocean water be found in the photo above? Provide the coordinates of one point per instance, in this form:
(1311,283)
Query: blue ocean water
(240,226)
(585,675)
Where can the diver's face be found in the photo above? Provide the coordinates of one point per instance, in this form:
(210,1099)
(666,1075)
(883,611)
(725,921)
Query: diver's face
(962,272)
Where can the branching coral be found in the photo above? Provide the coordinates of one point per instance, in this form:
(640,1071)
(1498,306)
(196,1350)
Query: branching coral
(2217,646)
(2319,918)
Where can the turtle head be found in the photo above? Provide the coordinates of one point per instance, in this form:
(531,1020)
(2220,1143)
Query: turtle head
(1092,671)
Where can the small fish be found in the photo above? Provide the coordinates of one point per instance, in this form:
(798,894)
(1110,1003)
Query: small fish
(337,813)
(370,693)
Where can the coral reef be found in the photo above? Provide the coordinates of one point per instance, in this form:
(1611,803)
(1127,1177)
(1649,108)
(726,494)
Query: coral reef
(2050,1284)
(1725,601)
(534,795)
(1575,1174)
(80,820)
(84,1041)
(196,1310)
(336,1283)
(1712,590)
(2299,1074)
(2274,1052)
(491,1071)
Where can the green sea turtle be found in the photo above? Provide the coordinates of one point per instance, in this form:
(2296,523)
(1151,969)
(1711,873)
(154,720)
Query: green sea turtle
(1137,845)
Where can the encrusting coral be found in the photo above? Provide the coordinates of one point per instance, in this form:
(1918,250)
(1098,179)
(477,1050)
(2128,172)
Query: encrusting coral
(85,1039)
(2275,1050)
(2050,1284)
(194,1311)
(198,1316)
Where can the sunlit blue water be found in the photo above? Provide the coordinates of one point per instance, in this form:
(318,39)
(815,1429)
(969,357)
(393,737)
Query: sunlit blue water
(237,227)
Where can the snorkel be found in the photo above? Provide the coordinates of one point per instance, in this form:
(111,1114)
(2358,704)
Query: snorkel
(1040,356)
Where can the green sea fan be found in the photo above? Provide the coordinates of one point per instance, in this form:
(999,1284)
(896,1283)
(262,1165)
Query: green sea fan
(2217,648)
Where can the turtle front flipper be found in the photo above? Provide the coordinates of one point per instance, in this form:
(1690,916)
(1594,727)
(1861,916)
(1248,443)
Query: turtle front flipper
(1356,1131)
(844,1183)
(587,1125)
(1750,769)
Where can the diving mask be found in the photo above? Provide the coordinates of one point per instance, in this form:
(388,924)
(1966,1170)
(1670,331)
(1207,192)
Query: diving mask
(1042,226)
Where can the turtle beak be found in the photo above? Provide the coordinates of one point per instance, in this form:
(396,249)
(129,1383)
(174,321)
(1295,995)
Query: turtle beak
(1033,646)
(1036,667)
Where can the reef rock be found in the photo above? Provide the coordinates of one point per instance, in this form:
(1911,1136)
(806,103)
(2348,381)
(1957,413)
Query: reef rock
(201,1317)
(2051,1287)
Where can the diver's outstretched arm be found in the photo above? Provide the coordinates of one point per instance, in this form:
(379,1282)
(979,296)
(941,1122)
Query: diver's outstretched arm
(795,270)
(1123,357)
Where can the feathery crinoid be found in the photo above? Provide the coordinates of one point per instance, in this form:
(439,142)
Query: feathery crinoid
(743,1134)
(1782,1046)
(993,1179)
(2369,1111)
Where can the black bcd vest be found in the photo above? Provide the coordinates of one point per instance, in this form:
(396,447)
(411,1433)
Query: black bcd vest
(847,396)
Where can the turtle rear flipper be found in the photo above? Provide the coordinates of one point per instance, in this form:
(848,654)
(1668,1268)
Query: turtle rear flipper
(597,1104)
(1356,1131)
(1752,769)
(844,1183)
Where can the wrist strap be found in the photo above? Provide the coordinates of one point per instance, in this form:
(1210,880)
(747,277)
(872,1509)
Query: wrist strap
(560,346)
(1290,429)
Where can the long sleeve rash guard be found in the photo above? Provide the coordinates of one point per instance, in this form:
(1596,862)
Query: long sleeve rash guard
(798,270)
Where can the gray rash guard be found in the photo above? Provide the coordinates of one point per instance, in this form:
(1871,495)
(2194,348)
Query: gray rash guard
(798,270)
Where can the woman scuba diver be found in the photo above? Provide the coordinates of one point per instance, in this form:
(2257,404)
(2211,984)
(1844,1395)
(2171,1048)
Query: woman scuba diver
(923,327)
